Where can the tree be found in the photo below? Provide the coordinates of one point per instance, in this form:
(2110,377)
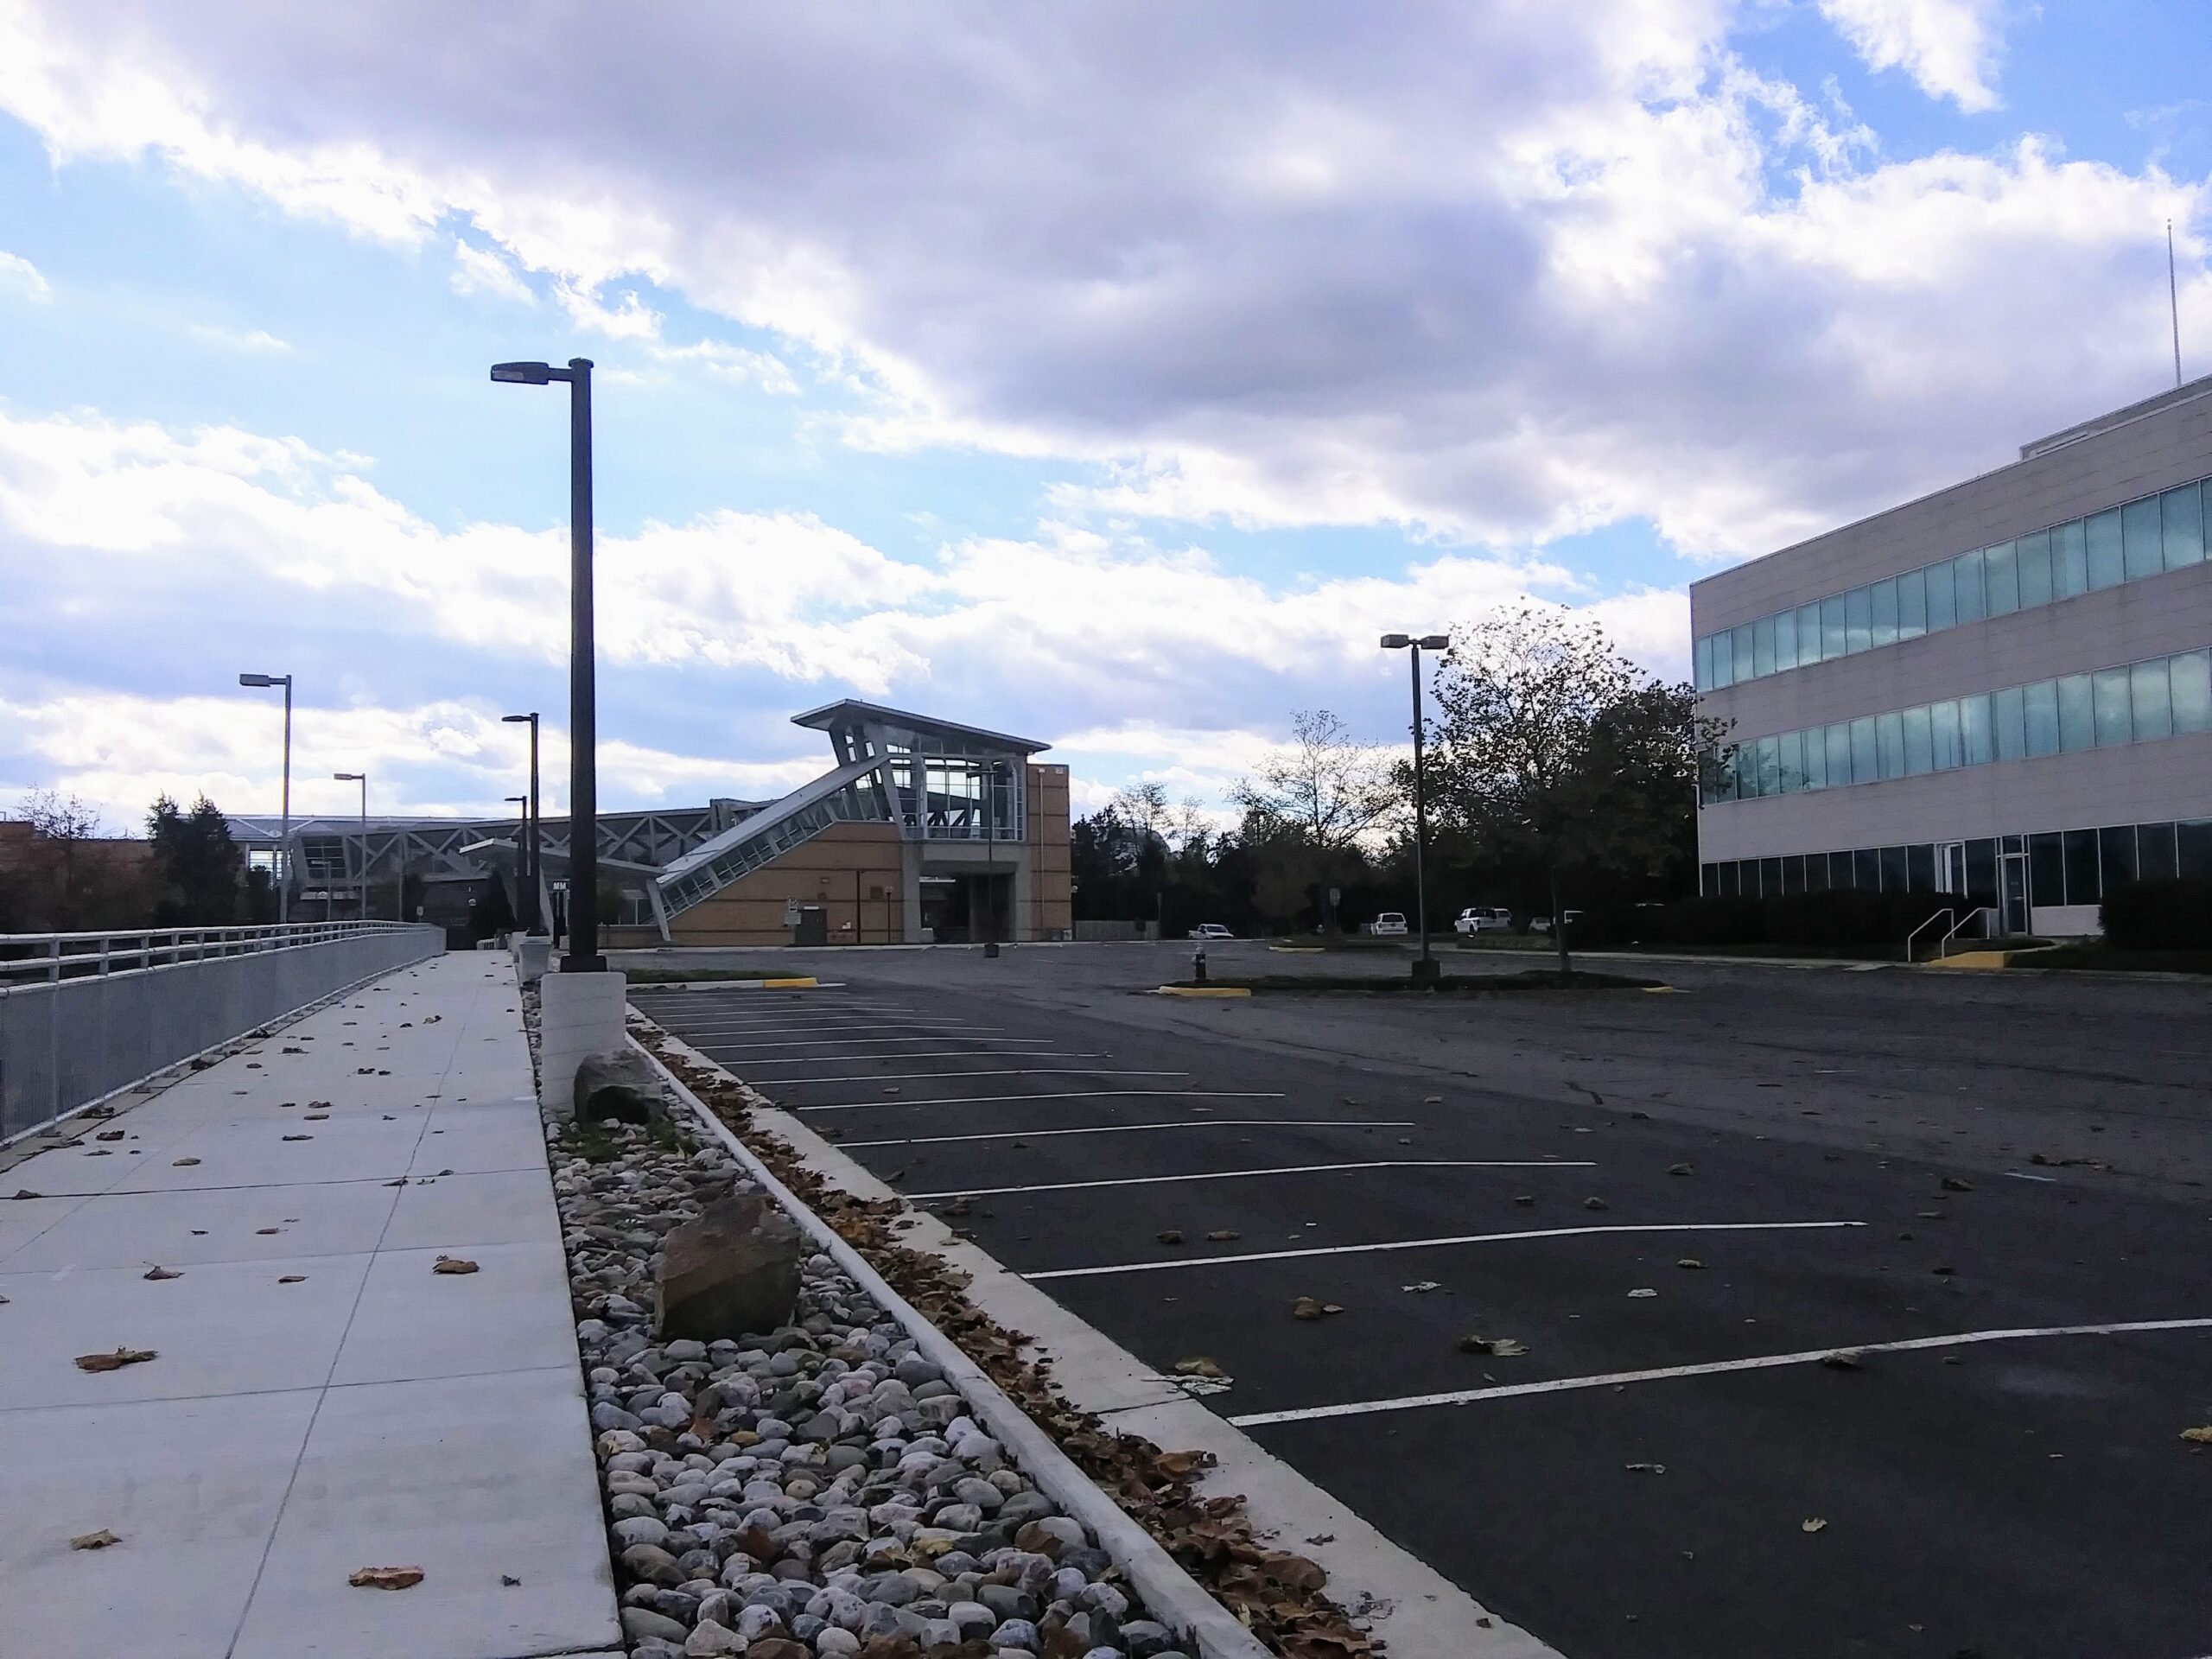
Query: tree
(1143,807)
(1551,746)
(1322,797)
(67,823)
(202,869)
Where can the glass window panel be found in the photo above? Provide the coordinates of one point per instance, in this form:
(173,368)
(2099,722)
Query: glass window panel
(2110,698)
(2190,675)
(1785,641)
(2193,849)
(2001,576)
(2106,568)
(1889,744)
(1708,879)
(2046,870)
(1863,770)
(1942,597)
(1724,658)
(2076,725)
(1893,869)
(1920,867)
(1883,602)
(1793,874)
(1912,605)
(2142,538)
(1866,869)
(1809,634)
(1858,614)
(2041,706)
(2150,700)
(2116,855)
(1843,873)
(1816,757)
(1770,764)
(2154,852)
(1974,728)
(1834,628)
(2009,711)
(1816,871)
(1966,577)
(2033,553)
(1943,720)
(1725,881)
(2182,514)
(1792,745)
(1839,748)
(2082,885)
(1770,877)
(1763,647)
(2069,559)
(1919,742)
(1746,662)
(1705,663)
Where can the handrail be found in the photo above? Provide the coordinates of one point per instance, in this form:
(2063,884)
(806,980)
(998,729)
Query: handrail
(1974,914)
(43,955)
(1945,914)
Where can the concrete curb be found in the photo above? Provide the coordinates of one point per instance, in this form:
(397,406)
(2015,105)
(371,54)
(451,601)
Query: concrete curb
(799,983)
(1169,1594)
(1204,991)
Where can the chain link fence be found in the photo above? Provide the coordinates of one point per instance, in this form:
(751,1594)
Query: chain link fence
(84,1016)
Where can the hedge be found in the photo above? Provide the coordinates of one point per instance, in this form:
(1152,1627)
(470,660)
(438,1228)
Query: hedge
(2159,915)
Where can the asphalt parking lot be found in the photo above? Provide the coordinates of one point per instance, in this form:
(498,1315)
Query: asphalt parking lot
(1674,1206)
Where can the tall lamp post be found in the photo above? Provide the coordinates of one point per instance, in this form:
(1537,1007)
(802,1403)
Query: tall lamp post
(993,776)
(284,866)
(1425,968)
(531,921)
(521,802)
(362,778)
(582,955)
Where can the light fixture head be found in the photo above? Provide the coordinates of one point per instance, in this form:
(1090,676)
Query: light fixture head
(516,720)
(523,374)
(1435,642)
(264,680)
(351,777)
(1396,641)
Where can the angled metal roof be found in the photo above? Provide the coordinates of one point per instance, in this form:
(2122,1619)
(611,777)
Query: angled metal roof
(851,711)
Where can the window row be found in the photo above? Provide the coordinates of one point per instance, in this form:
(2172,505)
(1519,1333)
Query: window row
(2162,697)
(2144,539)
(2069,866)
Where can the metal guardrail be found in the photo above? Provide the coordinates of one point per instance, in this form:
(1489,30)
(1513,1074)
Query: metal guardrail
(84,1016)
(1946,915)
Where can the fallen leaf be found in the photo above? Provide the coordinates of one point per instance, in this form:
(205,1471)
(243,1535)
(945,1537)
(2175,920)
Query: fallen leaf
(1199,1365)
(110,1135)
(182,1163)
(1645,1468)
(959,1206)
(1815,1524)
(116,1361)
(1432,1100)
(453,1264)
(1595,1204)
(1222,1236)
(1422,1286)
(99,1540)
(164,1273)
(1524,1198)
(1688,1262)
(1305,1308)
(1943,1272)
(1642,1293)
(1171,1235)
(2198,1436)
(1953,1184)
(313,1117)
(507,1578)
(385,1578)
(263,1232)
(25,1192)
(290,1278)
(1681,1169)
(298,1137)
(1843,1359)
(1504,1347)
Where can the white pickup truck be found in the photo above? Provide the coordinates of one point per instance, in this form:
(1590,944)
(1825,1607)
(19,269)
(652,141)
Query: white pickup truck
(1478,919)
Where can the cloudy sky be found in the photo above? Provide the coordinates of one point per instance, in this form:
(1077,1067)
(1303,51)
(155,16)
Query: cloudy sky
(1112,374)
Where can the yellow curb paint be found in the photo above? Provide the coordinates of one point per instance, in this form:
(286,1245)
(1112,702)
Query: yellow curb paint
(1972,959)
(806,983)
(1204,990)
(1666,990)
(1298,950)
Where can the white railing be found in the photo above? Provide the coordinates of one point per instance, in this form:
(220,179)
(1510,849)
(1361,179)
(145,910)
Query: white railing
(1983,917)
(1911,939)
(26,958)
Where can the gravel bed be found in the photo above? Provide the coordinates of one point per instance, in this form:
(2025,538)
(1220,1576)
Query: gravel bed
(814,1491)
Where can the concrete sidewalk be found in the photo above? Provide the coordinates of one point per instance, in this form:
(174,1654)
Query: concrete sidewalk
(321,1401)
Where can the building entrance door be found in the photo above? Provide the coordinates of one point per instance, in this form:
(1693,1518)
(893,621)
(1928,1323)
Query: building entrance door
(1951,866)
(2012,884)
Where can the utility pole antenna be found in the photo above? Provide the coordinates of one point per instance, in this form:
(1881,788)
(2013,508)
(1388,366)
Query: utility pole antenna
(2173,299)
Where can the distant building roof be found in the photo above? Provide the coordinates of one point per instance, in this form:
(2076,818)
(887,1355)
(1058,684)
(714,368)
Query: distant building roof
(851,711)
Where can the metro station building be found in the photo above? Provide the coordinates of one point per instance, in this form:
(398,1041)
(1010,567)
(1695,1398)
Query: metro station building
(923,831)
(2001,690)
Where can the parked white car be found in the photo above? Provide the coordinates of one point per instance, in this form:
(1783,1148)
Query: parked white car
(1210,930)
(1391,923)
(1543,923)
(1478,919)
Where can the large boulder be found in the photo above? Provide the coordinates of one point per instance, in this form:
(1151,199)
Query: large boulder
(734,1272)
(619,1083)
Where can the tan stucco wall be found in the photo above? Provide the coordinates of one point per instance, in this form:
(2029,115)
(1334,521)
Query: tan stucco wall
(851,870)
(1050,909)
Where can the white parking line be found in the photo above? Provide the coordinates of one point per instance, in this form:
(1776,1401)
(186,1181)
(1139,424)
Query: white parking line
(1134,1129)
(867,1042)
(1066,1094)
(1432,1244)
(1238,1174)
(1017,1072)
(1764,1362)
(947,1031)
(927,1054)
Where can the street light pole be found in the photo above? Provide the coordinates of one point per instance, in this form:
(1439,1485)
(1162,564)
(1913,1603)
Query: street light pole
(1424,967)
(530,920)
(284,865)
(991,854)
(522,859)
(582,955)
(362,778)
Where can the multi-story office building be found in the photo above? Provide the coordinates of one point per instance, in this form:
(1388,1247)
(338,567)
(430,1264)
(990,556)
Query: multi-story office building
(2003,690)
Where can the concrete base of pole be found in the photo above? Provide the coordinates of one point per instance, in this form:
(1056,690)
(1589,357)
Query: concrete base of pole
(1427,970)
(533,951)
(578,1014)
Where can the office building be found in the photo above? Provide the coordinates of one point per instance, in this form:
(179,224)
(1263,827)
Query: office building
(2001,690)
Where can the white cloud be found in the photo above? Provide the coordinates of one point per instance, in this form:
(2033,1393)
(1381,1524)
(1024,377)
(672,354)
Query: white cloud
(630,320)
(484,270)
(1947,46)
(21,278)
(258,341)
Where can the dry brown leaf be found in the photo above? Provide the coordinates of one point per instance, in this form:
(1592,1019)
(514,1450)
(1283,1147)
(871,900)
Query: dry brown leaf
(453,1264)
(116,1361)
(2198,1436)
(1197,1365)
(1688,1262)
(1171,1236)
(1595,1204)
(1815,1524)
(182,1163)
(1222,1236)
(99,1540)
(291,1278)
(385,1578)
(164,1273)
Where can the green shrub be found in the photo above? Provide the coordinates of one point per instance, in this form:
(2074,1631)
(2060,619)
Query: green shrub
(2159,915)
(1838,918)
